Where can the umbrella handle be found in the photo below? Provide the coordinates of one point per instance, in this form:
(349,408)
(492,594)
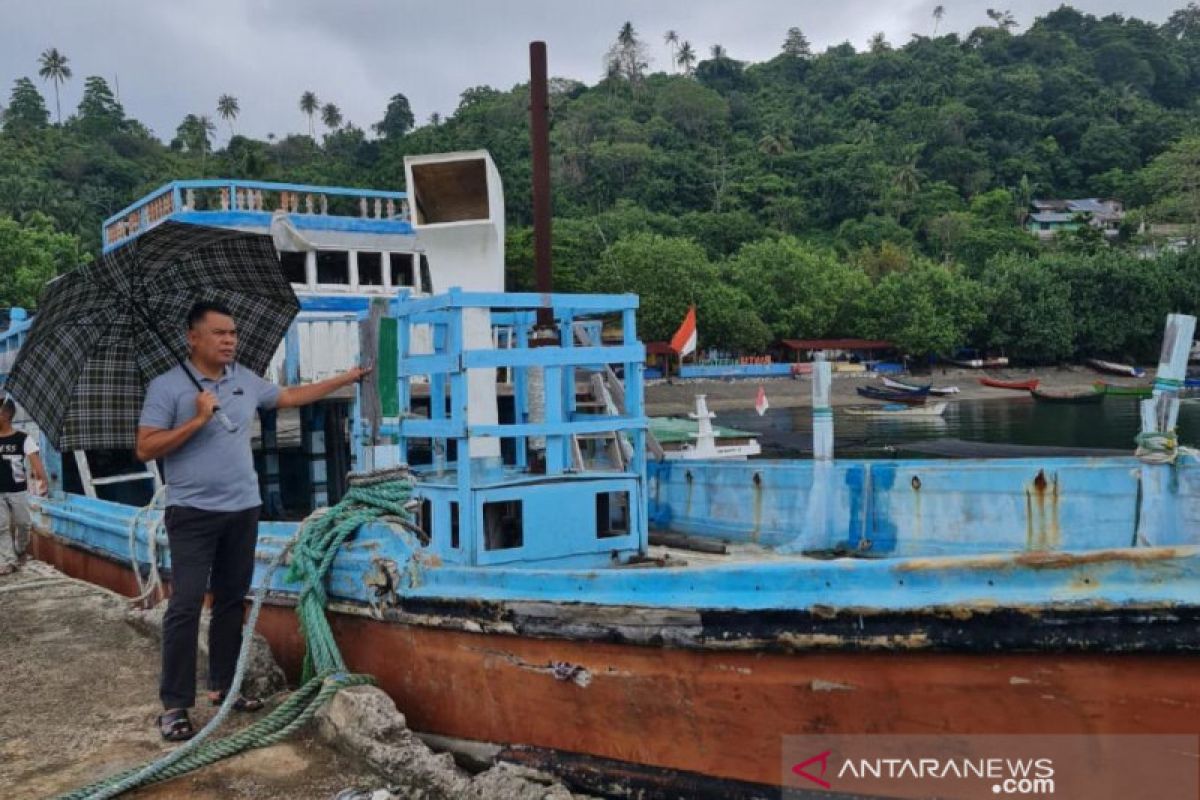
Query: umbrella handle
(224,419)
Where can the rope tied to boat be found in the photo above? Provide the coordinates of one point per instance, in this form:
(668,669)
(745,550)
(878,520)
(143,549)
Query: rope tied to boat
(1157,447)
(371,496)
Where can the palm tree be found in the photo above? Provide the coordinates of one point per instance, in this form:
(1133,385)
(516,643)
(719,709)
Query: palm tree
(309,105)
(878,43)
(54,68)
(331,115)
(672,40)
(627,36)
(1004,19)
(204,129)
(717,52)
(938,13)
(227,107)
(686,58)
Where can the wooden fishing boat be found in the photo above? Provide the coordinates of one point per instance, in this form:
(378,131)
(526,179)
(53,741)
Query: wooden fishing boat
(1113,368)
(1104,387)
(973,359)
(893,396)
(898,410)
(1072,396)
(1016,596)
(1021,386)
(892,383)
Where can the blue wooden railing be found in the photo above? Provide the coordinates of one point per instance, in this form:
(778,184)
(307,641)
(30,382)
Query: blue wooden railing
(242,195)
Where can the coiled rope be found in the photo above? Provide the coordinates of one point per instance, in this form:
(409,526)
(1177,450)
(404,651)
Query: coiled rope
(381,495)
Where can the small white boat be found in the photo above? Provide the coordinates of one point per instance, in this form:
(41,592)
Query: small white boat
(898,410)
(673,435)
(1113,368)
(892,383)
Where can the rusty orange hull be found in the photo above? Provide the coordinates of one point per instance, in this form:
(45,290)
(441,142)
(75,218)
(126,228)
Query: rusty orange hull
(718,713)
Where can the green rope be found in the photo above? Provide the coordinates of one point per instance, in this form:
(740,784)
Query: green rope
(371,497)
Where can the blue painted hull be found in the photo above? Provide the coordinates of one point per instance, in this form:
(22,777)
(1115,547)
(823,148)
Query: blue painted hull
(894,536)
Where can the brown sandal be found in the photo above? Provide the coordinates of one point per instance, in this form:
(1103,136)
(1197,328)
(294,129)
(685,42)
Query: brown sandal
(242,703)
(175,725)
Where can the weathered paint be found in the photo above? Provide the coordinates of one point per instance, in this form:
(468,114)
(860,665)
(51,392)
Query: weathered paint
(961,506)
(720,713)
(1097,578)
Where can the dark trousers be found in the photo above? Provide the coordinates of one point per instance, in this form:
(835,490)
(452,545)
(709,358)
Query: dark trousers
(209,550)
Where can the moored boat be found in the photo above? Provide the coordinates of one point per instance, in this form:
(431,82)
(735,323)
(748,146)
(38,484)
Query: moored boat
(1113,368)
(1072,396)
(892,383)
(1104,387)
(1021,386)
(898,410)
(892,395)
(697,438)
(845,596)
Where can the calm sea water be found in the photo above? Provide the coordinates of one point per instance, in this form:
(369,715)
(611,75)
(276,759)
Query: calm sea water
(966,429)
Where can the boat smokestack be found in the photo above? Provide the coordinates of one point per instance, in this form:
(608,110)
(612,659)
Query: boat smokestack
(539,135)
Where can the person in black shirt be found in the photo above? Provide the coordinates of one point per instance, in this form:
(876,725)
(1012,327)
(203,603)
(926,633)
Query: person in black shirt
(15,448)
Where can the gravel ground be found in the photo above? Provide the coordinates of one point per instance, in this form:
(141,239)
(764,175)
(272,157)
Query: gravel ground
(78,698)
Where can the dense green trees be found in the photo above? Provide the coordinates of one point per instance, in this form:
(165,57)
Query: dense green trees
(31,254)
(871,193)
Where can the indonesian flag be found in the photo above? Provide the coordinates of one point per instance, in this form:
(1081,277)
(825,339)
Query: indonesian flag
(684,340)
(760,403)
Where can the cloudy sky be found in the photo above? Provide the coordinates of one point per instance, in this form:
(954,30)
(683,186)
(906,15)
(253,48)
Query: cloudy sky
(170,57)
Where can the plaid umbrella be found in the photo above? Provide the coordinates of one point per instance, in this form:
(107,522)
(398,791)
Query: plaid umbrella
(103,331)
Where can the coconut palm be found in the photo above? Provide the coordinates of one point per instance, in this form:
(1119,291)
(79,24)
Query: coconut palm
(686,58)
(227,107)
(1004,19)
(53,67)
(938,13)
(309,105)
(672,40)
(331,115)
(627,36)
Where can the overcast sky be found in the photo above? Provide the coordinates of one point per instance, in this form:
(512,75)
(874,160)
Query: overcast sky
(170,58)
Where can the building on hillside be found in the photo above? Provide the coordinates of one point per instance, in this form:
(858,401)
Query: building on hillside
(1049,217)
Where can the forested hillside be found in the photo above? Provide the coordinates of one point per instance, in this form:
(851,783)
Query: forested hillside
(876,191)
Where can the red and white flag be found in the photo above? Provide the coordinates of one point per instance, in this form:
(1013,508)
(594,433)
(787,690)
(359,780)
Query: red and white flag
(684,340)
(760,403)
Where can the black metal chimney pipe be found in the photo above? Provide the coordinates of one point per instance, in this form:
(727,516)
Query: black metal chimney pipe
(539,135)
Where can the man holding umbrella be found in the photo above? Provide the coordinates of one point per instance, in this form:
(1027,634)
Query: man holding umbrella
(158,346)
(213,499)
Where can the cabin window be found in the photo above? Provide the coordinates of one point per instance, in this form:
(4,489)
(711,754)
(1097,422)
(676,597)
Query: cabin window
(425,517)
(454,524)
(294,266)
(402,269)
(426,281)
(502,525)
(370,269)
(612,514)
(333,267)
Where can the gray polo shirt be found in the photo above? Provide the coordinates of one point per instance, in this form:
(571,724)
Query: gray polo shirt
(213,470)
